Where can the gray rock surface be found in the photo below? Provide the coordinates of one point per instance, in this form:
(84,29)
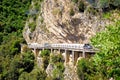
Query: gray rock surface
(59,26)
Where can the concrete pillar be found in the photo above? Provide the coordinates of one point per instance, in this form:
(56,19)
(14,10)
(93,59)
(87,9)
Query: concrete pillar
(83,54)
(59,51)
(73,56)
(54,51)
(36,52)
(76,55)
(51,50)
(67,55)
(80,54)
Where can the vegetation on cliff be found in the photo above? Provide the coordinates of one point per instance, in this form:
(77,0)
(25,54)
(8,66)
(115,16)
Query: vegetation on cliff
(106,63)
(55,60)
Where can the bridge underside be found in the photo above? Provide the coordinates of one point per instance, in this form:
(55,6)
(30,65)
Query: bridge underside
(68,54)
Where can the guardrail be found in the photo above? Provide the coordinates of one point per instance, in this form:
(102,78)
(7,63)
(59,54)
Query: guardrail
(84,48)
(61,46)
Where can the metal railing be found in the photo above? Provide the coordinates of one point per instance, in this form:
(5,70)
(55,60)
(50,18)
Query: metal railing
(63,46)
(60,46)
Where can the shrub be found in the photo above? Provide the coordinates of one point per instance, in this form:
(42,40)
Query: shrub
(45,54)
(81,6)
(56,11)
(82,68)
(42,20)
(32,26)
(37,6)
(86,70)
(91,10)
(24,76)
(46,62)
(60,66)
(56,58)
(27,61)
(37,74)
(107,15)
(72,12)
(57,74)
(57,61)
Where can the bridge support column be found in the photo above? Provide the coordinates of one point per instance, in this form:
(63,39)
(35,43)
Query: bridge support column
(67,55)
(43,49)
(51,50)
(59,51)
(83,54)
(73,56)
(36,52)
(76,55)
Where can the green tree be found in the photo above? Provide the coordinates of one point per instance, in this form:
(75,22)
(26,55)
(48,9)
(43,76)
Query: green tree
(12,20)
(24,76)
(86,70)
(106,63)
(45,54)
(12,14)
(108,59)
(11,69)
(35,74)
(10,45)
(57,61)
(38,74)
(27,61)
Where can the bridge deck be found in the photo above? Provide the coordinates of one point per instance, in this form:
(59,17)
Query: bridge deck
(72,47)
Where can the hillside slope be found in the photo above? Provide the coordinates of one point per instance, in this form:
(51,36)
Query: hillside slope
(62,21)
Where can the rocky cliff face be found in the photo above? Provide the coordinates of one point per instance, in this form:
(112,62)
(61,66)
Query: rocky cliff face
(60,21)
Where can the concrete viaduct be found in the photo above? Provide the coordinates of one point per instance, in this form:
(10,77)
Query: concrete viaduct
(71,50)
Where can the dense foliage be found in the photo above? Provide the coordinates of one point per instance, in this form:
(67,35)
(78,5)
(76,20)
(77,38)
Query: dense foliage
(106,63)
(35,74)
(12,20)
(12,15)
(45,54)
(57,61)
(12,68)
(86,70)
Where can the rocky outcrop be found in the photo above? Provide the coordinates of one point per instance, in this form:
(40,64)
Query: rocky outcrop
(70,73)
(50,69)
(60,21)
